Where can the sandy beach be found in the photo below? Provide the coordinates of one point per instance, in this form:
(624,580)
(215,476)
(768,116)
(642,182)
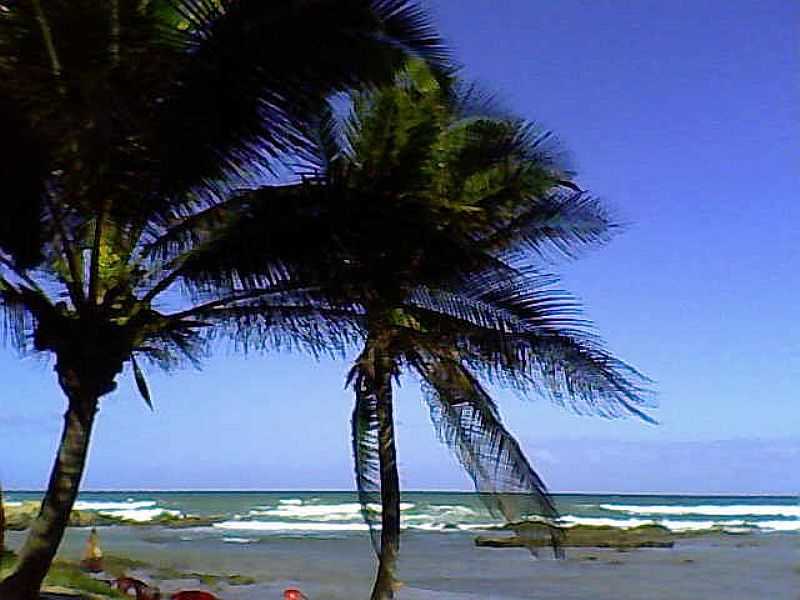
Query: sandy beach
(450,567)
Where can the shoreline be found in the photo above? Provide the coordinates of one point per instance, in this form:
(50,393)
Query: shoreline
(19,516)
(449,566)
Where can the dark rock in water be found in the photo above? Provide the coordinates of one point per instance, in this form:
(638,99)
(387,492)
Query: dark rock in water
(184,521)
(586,536)
(516,542)
(19,518)
(511,541)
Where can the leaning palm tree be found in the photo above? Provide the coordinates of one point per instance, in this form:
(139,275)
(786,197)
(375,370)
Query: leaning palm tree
(426,219)
(463,196)
(126,126)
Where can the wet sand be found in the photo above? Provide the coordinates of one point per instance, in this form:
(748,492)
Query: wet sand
(448,566)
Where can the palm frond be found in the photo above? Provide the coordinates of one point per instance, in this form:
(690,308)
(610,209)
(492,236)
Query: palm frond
(256,248)
(557,224)
(262,321)
(392,132)
(365,435)
(182,233)
(280,319)
(467,420)
(141,383)
(23,172)
(542,307)
(546,345)
(274,328)
(518,329)
(330,132)
(268,78)
(17,321)
(169,343)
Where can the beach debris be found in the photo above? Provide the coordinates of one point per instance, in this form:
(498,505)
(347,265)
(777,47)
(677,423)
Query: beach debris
(142,590)
(193,595)
(92,556)
(293,594)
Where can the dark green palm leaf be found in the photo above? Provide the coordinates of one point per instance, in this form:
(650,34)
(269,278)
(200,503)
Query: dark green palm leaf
(365,452)
(17,321)
(467,420)
(141,383)
(556,224)
(268,325)
(23,170)
(257,78)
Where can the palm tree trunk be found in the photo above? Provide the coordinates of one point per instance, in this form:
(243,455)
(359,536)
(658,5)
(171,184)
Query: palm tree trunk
(48,528)
(390,485)
(2,524)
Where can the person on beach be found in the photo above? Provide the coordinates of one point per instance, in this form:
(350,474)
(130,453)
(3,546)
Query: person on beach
(92,556)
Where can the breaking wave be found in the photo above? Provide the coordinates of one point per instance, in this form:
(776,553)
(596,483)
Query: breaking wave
(736,510)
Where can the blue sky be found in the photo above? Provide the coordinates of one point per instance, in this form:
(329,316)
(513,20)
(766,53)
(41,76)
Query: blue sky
(683,116)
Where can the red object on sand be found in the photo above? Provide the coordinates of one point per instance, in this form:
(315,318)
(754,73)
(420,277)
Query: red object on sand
(193,595)
(140,588)
(293,594)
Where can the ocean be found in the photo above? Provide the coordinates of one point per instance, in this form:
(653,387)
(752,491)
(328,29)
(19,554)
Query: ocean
(243,517)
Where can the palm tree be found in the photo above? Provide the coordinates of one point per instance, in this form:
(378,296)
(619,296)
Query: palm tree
(127,126)
(427,218)
(447,199)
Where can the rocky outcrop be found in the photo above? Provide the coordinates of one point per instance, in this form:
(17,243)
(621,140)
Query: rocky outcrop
(20,517)
(586,536)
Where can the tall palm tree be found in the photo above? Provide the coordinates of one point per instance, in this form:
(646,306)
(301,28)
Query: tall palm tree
(127,125)
(449,201)
(429,217)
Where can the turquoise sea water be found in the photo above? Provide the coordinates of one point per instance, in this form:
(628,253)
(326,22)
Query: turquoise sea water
(243,517)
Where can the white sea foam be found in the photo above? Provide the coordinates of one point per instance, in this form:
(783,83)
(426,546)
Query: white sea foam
(140,511)
(239,540)
(279,526)
(473,526)
(322,512)
(774,510)
(426,526)
(11,503)
(104,506)
(731,525)
(453,509)
(316,526)
(693,525)
(780,525)
(292,501)
(444,526)
(571,520)
(141,515)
